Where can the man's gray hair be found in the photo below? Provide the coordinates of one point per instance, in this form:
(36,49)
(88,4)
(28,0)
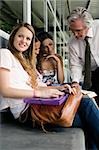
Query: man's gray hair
(80,13)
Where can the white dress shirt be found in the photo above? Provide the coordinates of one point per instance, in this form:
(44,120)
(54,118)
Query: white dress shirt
(77,52)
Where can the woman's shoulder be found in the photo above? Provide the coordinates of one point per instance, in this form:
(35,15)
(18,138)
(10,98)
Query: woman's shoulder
(6,55)
(59,56)
(4,50)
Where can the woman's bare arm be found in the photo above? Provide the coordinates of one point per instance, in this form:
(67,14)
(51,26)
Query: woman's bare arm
(60,70)
(7,91)
(12,92)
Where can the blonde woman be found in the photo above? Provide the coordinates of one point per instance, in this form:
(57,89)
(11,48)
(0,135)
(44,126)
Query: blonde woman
(18,73)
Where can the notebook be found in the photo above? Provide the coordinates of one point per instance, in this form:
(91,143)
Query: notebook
(47,101)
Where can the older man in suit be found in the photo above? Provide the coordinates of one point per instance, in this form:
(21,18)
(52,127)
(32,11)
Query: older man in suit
(82,25)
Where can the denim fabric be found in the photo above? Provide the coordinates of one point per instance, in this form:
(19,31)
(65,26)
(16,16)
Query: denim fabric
(87,118)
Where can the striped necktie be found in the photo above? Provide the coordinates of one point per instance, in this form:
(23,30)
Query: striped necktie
(87,78)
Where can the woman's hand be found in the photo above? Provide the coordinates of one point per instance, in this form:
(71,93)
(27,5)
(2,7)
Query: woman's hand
(75,84)
(68,89)
(58,67)
(54,57)
(45,92)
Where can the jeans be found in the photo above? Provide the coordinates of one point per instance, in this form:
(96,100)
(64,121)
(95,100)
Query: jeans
(87,118)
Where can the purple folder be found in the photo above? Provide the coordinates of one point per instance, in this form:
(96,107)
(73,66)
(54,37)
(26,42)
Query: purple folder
(46,101)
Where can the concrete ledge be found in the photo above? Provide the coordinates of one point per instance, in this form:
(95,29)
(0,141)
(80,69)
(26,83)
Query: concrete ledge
(16,137)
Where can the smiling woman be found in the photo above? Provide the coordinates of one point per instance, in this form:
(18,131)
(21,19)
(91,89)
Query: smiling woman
(17,71)
(22,39)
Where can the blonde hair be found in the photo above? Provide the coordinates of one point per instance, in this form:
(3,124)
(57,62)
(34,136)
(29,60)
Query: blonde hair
(27,59)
